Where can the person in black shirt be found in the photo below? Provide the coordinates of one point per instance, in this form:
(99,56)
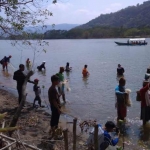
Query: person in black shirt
(20,78)
(5,62)
(67,67)
(42,66)
(55,103)
(120,70)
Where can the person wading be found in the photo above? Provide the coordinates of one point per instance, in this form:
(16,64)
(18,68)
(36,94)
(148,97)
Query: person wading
(121,101)
(5,62)
(42,66)
(85,71)
(20,78)
(61,84)
(145,102)
(120,70)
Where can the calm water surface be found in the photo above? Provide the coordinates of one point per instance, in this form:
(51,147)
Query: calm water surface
(91,98)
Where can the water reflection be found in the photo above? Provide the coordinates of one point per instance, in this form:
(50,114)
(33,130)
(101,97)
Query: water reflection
(85,81)
(118,77)
(42,72)
(6,74)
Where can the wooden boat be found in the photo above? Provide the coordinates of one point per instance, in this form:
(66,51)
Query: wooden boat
(133,42)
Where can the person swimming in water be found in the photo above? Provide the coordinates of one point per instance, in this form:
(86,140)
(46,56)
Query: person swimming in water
(67,67)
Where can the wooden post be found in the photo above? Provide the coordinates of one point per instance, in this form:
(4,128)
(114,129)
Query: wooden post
(96,137)
(74,133)
(65,133)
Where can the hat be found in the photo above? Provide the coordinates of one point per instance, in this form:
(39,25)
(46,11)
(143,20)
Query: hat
(36,80)
(44,61)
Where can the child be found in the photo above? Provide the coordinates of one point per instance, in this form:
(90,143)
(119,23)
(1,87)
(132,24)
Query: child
(37,91)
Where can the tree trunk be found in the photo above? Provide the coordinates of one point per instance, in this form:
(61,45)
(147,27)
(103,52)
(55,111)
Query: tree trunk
(19,109)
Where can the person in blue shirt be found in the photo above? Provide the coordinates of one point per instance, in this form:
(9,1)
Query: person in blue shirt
(120,96)
(104,137)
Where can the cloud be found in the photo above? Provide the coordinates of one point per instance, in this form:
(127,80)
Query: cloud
(116,5)
(59,6)
(112,8)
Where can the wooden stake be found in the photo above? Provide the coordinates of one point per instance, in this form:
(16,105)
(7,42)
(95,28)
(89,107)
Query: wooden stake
(65,132)
(74,133)
(96,137)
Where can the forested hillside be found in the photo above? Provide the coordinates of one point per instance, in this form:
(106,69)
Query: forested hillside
(132,16)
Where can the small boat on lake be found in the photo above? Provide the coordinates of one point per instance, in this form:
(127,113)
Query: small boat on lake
(133,42)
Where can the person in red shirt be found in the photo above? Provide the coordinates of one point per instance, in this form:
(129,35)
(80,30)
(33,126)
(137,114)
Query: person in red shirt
(145,110)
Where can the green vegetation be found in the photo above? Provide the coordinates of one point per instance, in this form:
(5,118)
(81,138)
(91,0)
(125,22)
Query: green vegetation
(96,32)
(130,17)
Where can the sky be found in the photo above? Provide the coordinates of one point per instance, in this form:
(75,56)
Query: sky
(82,11)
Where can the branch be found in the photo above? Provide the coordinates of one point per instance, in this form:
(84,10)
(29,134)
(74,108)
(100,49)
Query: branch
(23,3)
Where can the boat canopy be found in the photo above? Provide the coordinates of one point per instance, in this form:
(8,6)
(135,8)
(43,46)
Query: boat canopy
(139,39)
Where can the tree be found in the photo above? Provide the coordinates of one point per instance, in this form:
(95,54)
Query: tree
(15,15)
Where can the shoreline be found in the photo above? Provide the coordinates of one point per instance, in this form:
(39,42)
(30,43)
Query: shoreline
(34,123)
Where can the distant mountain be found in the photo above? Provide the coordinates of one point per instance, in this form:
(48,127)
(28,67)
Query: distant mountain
(132,16)
(40,29)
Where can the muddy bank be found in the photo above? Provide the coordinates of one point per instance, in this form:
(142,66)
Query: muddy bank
(34,123)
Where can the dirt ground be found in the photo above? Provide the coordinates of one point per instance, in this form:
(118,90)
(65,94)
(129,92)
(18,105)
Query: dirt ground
(35,124)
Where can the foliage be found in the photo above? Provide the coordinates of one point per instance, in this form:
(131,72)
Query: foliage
(130,17)
(95,32)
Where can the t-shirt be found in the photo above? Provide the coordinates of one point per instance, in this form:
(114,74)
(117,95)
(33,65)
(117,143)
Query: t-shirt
(120,91)
(53,95)
(103,138)
(19,77)
(37,90)
(60,76)
(120,70)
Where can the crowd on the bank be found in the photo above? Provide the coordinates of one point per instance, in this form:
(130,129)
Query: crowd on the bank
(56,90)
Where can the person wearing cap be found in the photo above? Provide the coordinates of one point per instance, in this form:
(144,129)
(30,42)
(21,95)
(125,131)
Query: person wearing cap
(120,70)
(104,136)
(37,91)
(20,77)
(120,97)
(5,62)
(42,66)
(85,71)
(54,103)
(61,85)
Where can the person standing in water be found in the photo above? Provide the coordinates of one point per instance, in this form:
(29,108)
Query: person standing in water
(121,104)
(42,66)
(145,98)
(61,85)
(67,67)
(120,70)
(85,71)
(5,62)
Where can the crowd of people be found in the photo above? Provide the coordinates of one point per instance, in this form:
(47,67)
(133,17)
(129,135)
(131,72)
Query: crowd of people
(56,90)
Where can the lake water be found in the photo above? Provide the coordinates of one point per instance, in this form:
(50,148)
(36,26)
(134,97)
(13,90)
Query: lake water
(92,98)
